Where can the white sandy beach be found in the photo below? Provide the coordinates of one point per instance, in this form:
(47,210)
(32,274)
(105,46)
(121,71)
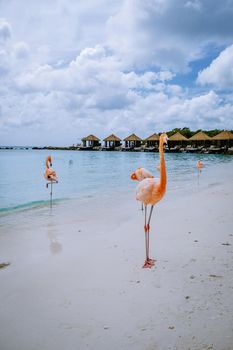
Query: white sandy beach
(75,280)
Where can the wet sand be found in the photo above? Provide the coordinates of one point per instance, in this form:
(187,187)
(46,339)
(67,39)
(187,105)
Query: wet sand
(75,279)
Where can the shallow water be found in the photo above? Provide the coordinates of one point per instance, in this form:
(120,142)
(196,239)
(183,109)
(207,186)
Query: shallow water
(90,174)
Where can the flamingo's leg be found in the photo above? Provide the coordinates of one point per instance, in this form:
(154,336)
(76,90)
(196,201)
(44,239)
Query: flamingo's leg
(148,262)
(142,206)
(151,261)
(51,193)
(145,229)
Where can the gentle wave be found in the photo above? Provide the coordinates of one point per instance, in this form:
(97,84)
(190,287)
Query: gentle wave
(30,205)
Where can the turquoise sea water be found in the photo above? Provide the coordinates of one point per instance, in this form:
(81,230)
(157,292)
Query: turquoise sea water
(88,174)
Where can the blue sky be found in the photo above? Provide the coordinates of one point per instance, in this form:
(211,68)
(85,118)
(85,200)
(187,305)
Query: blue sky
(69,68)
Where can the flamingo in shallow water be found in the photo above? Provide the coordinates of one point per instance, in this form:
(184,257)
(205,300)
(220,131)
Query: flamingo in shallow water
(50,174)
(199,165)
(150,191)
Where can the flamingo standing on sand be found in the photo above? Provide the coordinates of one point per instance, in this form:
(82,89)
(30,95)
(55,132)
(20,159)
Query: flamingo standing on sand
(50,175)
(150,191)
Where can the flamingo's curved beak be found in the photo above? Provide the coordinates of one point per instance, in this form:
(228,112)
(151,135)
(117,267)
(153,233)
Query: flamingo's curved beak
(133,176)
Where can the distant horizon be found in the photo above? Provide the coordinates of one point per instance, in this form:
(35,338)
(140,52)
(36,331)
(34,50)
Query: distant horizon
(101,139)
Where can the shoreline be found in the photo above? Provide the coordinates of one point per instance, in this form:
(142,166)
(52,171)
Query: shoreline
(194,150)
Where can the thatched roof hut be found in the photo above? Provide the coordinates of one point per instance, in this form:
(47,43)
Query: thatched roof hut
(112,141)
(224,135)
(112,137)
(200,136)
(224,138)
(178,137)
(90,138)
(132,137)
(91,141)
(152,140)
(153,137)
(133,141)
(200,139)
(177,140)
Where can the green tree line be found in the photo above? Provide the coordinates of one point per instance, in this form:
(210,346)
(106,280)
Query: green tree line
(189,133)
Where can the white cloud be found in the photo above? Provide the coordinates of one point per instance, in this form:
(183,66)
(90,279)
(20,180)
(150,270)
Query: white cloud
(168,34)
(75,67)
(94,71)
(94,94)
(195,4)
(220,71)
(5,30)
(21,50)
(4,64)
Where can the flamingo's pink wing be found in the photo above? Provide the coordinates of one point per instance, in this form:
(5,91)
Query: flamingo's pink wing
(145,189)
(146,173)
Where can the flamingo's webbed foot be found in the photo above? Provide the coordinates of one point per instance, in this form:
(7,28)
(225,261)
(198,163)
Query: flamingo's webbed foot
(148,263)
(152,261)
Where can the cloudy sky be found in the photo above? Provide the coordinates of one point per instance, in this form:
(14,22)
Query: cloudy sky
(69,68)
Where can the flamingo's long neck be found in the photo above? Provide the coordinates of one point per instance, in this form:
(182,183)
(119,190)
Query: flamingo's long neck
(47,163)
(163,175)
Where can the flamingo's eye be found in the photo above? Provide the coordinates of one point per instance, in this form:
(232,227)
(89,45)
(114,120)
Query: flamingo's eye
(133,176)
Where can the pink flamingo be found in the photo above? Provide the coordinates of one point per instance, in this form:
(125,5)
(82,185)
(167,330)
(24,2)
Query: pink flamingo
(141,174)
(151,191)
(199,165)
(51,176)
